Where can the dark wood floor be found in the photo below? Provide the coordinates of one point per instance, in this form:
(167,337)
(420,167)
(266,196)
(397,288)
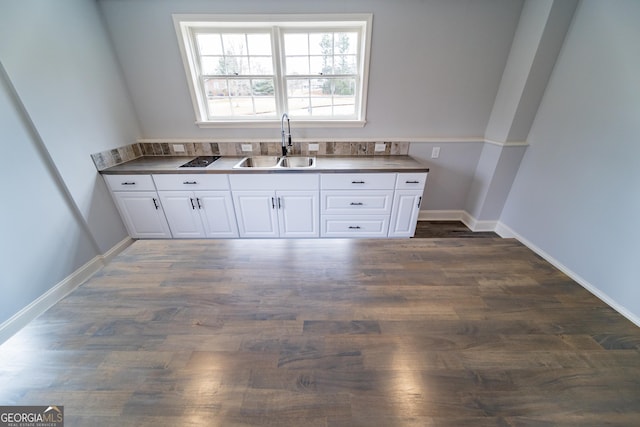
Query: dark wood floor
(413,332)
(447,229)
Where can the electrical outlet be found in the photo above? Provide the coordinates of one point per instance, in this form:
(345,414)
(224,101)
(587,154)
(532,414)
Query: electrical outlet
(178,148)
(247,147)
(314,147)
(380,146)
(435,152)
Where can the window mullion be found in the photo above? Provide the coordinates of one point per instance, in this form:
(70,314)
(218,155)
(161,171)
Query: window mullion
(278,70)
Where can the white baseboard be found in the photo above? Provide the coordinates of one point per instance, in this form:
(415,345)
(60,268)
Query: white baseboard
(116,249)
(458,215)
(506,232)
(452,215)
(477,225)
(45,301)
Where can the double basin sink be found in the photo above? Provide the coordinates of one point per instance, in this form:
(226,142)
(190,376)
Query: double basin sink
(275,162)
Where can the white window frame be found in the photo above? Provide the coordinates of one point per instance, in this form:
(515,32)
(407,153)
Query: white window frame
(277,25)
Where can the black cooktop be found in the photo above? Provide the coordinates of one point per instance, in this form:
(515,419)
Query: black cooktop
(200,162)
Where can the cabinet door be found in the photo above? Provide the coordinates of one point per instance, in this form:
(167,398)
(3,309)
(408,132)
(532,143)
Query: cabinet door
(142,214)
(217,214)
(404,215)
(256,213)
(298,213)
(182,214)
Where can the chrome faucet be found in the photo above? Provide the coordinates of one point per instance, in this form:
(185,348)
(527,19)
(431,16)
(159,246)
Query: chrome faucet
(286,137)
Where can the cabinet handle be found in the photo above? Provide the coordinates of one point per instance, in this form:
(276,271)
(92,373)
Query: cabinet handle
(279,204)
(354,227)
(412,182)
(128,183)
(356,203)
(357,182)
(190,182)
(198,200)
(155,203)
(192,205)
(419,201)
(273,203)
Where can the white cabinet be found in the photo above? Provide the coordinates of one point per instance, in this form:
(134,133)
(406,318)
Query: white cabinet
(269,205)
(356,205)
(406,204)
(139,205)
(276,205)
(206,212)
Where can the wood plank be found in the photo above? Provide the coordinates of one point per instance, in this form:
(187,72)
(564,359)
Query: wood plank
(413,332)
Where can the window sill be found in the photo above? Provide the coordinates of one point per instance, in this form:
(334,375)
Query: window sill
(294,122)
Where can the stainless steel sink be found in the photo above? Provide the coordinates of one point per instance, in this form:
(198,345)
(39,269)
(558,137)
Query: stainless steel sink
(274,162)
(297,162)
(258,162)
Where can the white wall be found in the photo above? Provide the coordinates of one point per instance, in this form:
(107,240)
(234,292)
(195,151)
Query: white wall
(43,236)
(450,175)
(577,193)
(435,64)
(59,58)
(62,98)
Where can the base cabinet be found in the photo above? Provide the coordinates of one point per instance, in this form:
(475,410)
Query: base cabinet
(276,205)
(197,205)
(199,214)
(272,205)
(356,205)
(283,213)
(139,206)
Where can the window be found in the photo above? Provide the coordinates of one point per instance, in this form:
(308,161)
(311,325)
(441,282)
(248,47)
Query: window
(247,71)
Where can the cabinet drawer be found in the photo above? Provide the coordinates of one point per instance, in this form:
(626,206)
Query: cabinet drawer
(356,202)
(361,181)
(355,225)
(274,181)
(129,182)
(411,181)
(191,182)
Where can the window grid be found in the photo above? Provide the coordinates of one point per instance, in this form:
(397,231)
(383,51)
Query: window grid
(239,86)
(318,75)
(235,82)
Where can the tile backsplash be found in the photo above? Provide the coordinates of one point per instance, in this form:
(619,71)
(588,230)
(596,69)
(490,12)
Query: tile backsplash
(109,158)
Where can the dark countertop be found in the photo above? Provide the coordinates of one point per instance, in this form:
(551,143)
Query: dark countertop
(329,164)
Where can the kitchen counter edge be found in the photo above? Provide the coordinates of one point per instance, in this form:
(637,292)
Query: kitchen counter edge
(224,165)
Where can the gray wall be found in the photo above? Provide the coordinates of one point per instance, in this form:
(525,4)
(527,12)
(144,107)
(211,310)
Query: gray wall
(43,237)
(451,175)
(577,193)
(435,64)
(59,58)
(62,99)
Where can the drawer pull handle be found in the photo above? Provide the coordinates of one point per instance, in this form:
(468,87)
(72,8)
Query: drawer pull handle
(356,203)
(354,227)
(128,183)
(190,182)
(155,203)
(357,182)
(192,205)
(412,182)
